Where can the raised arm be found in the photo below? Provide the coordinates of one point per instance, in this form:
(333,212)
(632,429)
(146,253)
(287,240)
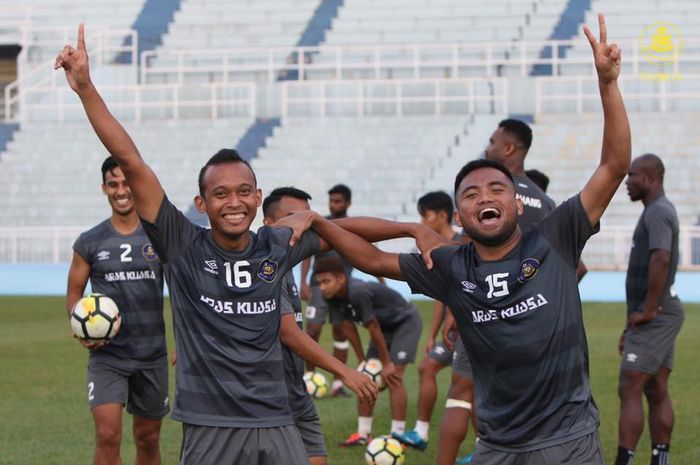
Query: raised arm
(145,187)
(617,145)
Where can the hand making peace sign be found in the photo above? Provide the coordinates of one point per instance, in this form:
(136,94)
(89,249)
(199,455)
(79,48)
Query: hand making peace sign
(607,57)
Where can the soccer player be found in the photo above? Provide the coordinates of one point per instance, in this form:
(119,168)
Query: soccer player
(225,285)
(509,145)
(436,210)
(339,201)
(654,315)
(117,258)
(394,326)
(281,202)
(515,295)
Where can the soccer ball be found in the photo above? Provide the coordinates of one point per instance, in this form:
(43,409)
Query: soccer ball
(95,318)
(316,384)
(384,451)
(373,367)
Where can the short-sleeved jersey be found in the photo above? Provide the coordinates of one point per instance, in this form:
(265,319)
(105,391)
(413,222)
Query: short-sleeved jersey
(126,268)
(293,364)
(230,368)
(520,320)
(657,229)
(536,204)
(369,300)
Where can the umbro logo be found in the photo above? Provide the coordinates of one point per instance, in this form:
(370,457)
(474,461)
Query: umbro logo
(103,255)
(468,287)
(210,267)
(632,357)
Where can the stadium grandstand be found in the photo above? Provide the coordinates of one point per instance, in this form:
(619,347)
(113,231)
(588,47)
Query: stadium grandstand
(389,97)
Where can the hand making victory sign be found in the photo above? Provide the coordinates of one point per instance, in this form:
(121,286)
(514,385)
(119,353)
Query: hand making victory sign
(607,57)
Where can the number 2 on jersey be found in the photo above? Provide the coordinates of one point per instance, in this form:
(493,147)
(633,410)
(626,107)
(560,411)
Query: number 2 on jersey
(498,287)
(240,277)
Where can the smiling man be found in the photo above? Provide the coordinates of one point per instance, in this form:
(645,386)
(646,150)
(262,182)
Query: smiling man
(225,286)
(514,295)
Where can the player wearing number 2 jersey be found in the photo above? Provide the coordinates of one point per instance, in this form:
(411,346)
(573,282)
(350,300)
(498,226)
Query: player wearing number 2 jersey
(515,295)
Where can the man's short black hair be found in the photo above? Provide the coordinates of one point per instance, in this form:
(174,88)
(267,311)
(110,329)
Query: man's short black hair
(343,190)
(329,265)
(108,166)
(478,164)
(276,195)
(519,129)
(437,201)
(539,178)
(222,157)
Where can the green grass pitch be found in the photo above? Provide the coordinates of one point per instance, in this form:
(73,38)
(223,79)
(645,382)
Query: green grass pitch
(45,419)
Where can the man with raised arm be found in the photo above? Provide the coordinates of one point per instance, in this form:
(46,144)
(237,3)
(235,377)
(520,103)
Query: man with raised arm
(515,295)
(225,286)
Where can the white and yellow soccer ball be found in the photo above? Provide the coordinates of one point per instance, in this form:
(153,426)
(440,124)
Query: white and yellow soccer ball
(316,384)
(373,367)
(384,451)
(95,318)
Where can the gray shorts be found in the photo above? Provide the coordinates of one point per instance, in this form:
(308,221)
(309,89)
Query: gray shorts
(651,346)
(317,307)
(209,445)
(143,391)
(402,341)
(309,426)
(460,363)
(581,451)
(441,354)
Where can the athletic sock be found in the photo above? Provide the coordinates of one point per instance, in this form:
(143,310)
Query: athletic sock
(337,384)
(624,456)
(422,429)
(398,427)
(660,454)
(364,425)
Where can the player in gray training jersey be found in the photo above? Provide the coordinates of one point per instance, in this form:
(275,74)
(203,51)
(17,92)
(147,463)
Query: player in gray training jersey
(282,202)
(514,294)
(117,258)
(225,286)
(654,315)
(394,326)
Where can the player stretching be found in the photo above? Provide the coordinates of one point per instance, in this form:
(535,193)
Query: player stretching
(654,316)
(394,326)
(132,369)
(225,285)
(515,295)
(436,210)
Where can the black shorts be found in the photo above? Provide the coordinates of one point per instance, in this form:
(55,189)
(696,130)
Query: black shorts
(402,341)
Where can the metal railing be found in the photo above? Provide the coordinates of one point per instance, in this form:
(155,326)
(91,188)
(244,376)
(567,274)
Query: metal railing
(410,61)
(394,97)
(104,46)
(606,251)
(580,94)
(138,103)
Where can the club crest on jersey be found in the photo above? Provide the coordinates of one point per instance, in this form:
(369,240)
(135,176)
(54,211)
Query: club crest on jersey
(528,269)
(468,287)
(268,270)
(149,253)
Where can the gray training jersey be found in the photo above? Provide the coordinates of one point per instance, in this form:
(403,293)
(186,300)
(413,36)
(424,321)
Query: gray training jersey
(127,269)
(657,228)
(536,204)
(299,399)
(368,300)
(520,320)
(230,369)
